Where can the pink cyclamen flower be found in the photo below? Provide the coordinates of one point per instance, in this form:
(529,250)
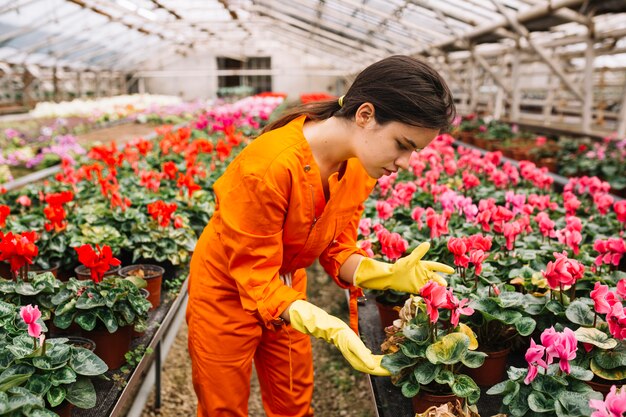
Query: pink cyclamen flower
(563,271)
(614,405)
(620,210)
(24,200)
(534,357)
(458,307)
(477,257)
(458,248)
(30,315)
(435,296)
(384,209)
(598,295)
(365,226)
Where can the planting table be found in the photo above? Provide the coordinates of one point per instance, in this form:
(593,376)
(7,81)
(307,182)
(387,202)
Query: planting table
(129,400)
(389,400)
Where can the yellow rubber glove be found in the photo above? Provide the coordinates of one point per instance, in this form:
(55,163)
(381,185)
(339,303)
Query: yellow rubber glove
(309,319)
(408,274)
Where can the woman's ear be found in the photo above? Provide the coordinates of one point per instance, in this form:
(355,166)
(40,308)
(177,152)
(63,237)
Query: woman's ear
(364,116)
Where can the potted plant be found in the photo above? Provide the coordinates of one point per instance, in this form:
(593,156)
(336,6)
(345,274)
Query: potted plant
(103,307)
(427,348)
(546,388)
(96,264)
(38,290)
(152,274)
(54,371)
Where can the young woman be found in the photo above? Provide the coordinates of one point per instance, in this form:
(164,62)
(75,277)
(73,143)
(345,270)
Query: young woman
(295,194)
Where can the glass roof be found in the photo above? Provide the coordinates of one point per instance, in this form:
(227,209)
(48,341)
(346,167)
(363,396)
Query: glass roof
(123,34)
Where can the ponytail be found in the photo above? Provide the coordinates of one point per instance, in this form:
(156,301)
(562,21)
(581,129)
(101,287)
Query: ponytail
(317,110)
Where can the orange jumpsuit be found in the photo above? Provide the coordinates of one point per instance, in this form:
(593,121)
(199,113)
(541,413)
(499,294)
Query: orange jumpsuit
(271,221)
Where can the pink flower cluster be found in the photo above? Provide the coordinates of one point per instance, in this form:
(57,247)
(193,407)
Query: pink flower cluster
(537,176)
(610,251)
(546,225)
(470,249)
(610,303)
(30,315)
(563,271)
(392,245)
(571,235)
(554,345)
(592,185)
(620,211)
(614,405)
(437,296)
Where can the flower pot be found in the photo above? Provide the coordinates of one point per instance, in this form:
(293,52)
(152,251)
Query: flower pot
(603,385)
(388,313)
(548,162)
(83,273)
(153,274)
(64,409)
(493,370)
(5,270)
(424,400)
(111,347)
(467,137)
(54,269)
(82,342)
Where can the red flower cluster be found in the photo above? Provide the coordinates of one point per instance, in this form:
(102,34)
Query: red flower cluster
(312,97)
(4,213)
(162,212)
(54,211)
(437,296)
(98,261)
(18,249)
(392,245)
(476,246)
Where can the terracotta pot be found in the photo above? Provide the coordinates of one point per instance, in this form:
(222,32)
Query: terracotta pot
(111,347)
(467,137)
(73,329)
(64,409)
(549,163)
(388,313)
(424,400)
(54,269)
(493,370)
(83,273)
(603,385)
(5,270)
(153,274)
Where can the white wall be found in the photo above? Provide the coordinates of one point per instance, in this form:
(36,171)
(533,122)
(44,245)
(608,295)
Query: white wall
(294,76)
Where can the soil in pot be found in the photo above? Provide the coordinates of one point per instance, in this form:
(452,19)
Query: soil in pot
(64,409)
(82,342)
(153,274)
(604,385)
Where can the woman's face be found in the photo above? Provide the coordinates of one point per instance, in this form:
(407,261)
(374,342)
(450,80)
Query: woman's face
(383,149)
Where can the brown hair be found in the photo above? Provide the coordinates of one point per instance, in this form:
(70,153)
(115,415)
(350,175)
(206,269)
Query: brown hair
(401,88)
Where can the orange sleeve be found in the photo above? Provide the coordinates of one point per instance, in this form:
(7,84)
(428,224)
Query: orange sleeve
(252,216)
(342,247)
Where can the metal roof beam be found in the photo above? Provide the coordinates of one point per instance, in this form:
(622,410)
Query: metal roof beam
(13,5)
(38,22)
(545,55)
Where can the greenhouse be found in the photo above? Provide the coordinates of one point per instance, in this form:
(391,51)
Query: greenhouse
(355,208)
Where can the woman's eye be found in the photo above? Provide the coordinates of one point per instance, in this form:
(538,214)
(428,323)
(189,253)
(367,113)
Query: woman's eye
(401,145)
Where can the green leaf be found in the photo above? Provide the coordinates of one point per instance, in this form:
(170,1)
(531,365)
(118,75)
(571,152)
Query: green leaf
(396,362)
(449,349)
(580,313)
(108,319)
(540,402)
(86,320)
(595,337)
(473,359)
(25,288)
(64,321)
(580,373)
(572,404)
(11,381)
(425,372)
(412,349)
(65,375)
(555,307)
(613,374)
(525,326)
(501,388)
(613,358)
(410,388)
(465,387)
(82,394)
(39,384)
(445,377)
(56,395)
(85,362)
(418,334)
(57,352)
